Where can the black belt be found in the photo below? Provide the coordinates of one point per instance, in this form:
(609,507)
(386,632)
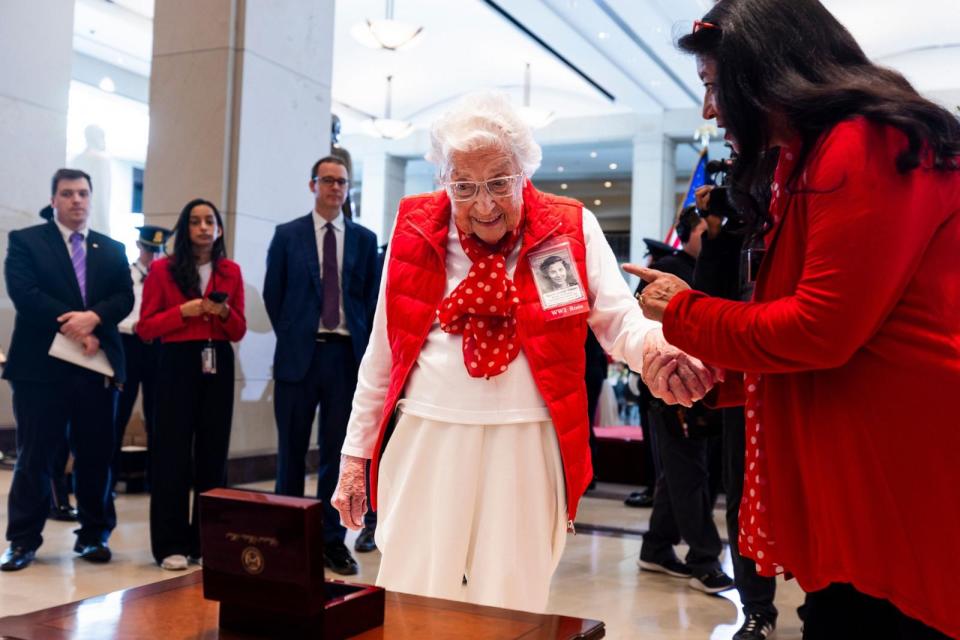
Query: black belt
(327,336)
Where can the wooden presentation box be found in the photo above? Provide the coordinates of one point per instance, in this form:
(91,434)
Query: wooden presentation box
(263,561)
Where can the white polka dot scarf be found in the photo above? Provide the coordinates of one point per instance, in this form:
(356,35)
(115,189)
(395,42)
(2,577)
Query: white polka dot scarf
(483,307)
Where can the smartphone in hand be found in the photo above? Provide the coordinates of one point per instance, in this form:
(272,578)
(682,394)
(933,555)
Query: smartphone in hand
(217,296)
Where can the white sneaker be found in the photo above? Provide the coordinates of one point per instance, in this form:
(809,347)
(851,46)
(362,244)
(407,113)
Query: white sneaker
(176,562)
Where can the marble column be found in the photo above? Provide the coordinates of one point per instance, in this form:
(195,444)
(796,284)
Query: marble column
(383,187)
(239,112)
(36,40)
(651,202)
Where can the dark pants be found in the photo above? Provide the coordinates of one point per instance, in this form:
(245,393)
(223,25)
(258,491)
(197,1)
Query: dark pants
(59,482)
(43,411)
(594,387)
(682,506)
(840,612)
(141,359)
(190,440)
(756,592)
(330,382)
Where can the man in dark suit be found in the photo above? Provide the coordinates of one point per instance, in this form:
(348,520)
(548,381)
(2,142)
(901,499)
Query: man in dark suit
(320,293)
(64,278)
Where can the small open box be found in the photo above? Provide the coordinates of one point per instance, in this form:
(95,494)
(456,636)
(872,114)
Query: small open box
(263,561)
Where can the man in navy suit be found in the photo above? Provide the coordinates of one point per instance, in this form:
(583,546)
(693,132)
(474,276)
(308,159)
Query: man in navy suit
(320,292)
(63,277)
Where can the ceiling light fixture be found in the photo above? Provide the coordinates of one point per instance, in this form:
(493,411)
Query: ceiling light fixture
(608,184)
(387,127)
(598,202)
(593,154)
(386,34)
(535,117)
(563,185)
(613,166)
(560,169)
(107,84)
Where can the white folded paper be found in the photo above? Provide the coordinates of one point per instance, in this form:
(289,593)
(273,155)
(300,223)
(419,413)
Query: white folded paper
(63,348)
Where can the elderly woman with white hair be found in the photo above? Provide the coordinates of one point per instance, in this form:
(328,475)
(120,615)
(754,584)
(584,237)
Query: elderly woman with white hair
(471,400)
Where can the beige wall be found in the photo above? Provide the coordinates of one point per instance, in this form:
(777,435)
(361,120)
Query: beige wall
(239,111)
(36,43)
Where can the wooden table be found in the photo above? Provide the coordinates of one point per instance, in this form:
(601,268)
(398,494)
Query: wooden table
(175,610)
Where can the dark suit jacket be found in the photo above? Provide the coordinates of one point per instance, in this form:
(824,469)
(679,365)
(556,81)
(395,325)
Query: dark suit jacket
(43,286)
(293,292)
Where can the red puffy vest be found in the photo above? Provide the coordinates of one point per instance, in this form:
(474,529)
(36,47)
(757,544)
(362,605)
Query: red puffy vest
(416,283)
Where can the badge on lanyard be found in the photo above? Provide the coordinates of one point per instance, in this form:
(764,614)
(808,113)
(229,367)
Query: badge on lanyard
(208,359)
(558,282)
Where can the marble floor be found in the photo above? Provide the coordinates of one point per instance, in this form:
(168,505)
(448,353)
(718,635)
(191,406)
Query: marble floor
(597,577)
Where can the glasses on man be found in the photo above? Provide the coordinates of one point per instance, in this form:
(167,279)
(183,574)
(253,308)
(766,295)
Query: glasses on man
(463,190)
(327,180)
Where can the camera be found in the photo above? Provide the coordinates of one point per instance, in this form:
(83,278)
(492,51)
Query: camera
(719,204)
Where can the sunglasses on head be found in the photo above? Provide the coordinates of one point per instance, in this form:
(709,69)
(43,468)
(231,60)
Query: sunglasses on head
(700,24)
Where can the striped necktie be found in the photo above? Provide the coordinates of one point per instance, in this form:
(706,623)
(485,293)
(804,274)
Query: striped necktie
(78,255)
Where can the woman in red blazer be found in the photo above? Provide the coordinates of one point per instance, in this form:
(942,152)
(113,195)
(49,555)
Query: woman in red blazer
(852,341)
(192,303)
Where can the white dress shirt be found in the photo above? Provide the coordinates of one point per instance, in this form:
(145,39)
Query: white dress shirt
(137,274)
(66,232)
(339,228)
(439,387)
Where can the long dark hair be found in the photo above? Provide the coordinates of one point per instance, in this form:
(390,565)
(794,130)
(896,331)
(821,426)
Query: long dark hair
(183,264)
(794,58)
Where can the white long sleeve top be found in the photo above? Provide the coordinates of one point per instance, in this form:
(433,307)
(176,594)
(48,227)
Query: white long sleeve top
(439,387)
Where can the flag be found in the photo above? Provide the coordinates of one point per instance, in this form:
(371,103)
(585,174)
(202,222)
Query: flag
(697,180)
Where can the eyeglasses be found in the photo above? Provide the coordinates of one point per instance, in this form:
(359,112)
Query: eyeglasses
(463,190)
(327,180)
(700,24)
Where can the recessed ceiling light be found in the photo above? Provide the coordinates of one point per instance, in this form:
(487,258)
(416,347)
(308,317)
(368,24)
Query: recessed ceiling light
(563,185)
(613,166)
(593,154)
(608,184)
(106,84)
(603,35)
(598,202)
(560,169)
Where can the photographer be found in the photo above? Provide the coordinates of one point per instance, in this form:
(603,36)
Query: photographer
(683,502)
(719,273)
(195,378)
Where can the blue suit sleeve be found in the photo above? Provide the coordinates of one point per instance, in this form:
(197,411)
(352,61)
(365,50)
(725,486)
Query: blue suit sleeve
(24,289)
(274,282)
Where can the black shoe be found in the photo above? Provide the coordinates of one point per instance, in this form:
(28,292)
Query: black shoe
(16,558)
(338,559)
(713,582)
(671,567)
(64,513)
(639,499)
(365,541)
(93,552)
(756,627)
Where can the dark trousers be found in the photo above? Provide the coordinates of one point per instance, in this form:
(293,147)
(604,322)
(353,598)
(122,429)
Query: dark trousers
(141,359)
(81,407)
(330,382)
(756,592)
(190,440)
(682,506)
(594,387)
(59,482)
(840,612)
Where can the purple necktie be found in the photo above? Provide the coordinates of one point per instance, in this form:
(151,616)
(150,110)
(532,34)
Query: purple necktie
(331,280)
(78,255)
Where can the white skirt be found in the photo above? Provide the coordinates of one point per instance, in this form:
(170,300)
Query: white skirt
(470,512)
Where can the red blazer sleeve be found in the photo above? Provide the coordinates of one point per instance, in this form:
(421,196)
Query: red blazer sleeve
(866,228)
(159,308)
(235,326)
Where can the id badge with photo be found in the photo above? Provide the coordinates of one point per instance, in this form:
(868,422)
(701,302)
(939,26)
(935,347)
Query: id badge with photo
(555,273)
(208,359)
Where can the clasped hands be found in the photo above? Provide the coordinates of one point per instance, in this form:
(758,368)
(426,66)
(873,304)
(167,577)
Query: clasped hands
(200,306)
(79,326)
(671,375)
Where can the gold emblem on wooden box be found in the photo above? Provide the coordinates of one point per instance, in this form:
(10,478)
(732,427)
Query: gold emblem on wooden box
(252,560)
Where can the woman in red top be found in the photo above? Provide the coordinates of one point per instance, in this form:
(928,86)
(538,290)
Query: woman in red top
(852,341)
(195,382)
